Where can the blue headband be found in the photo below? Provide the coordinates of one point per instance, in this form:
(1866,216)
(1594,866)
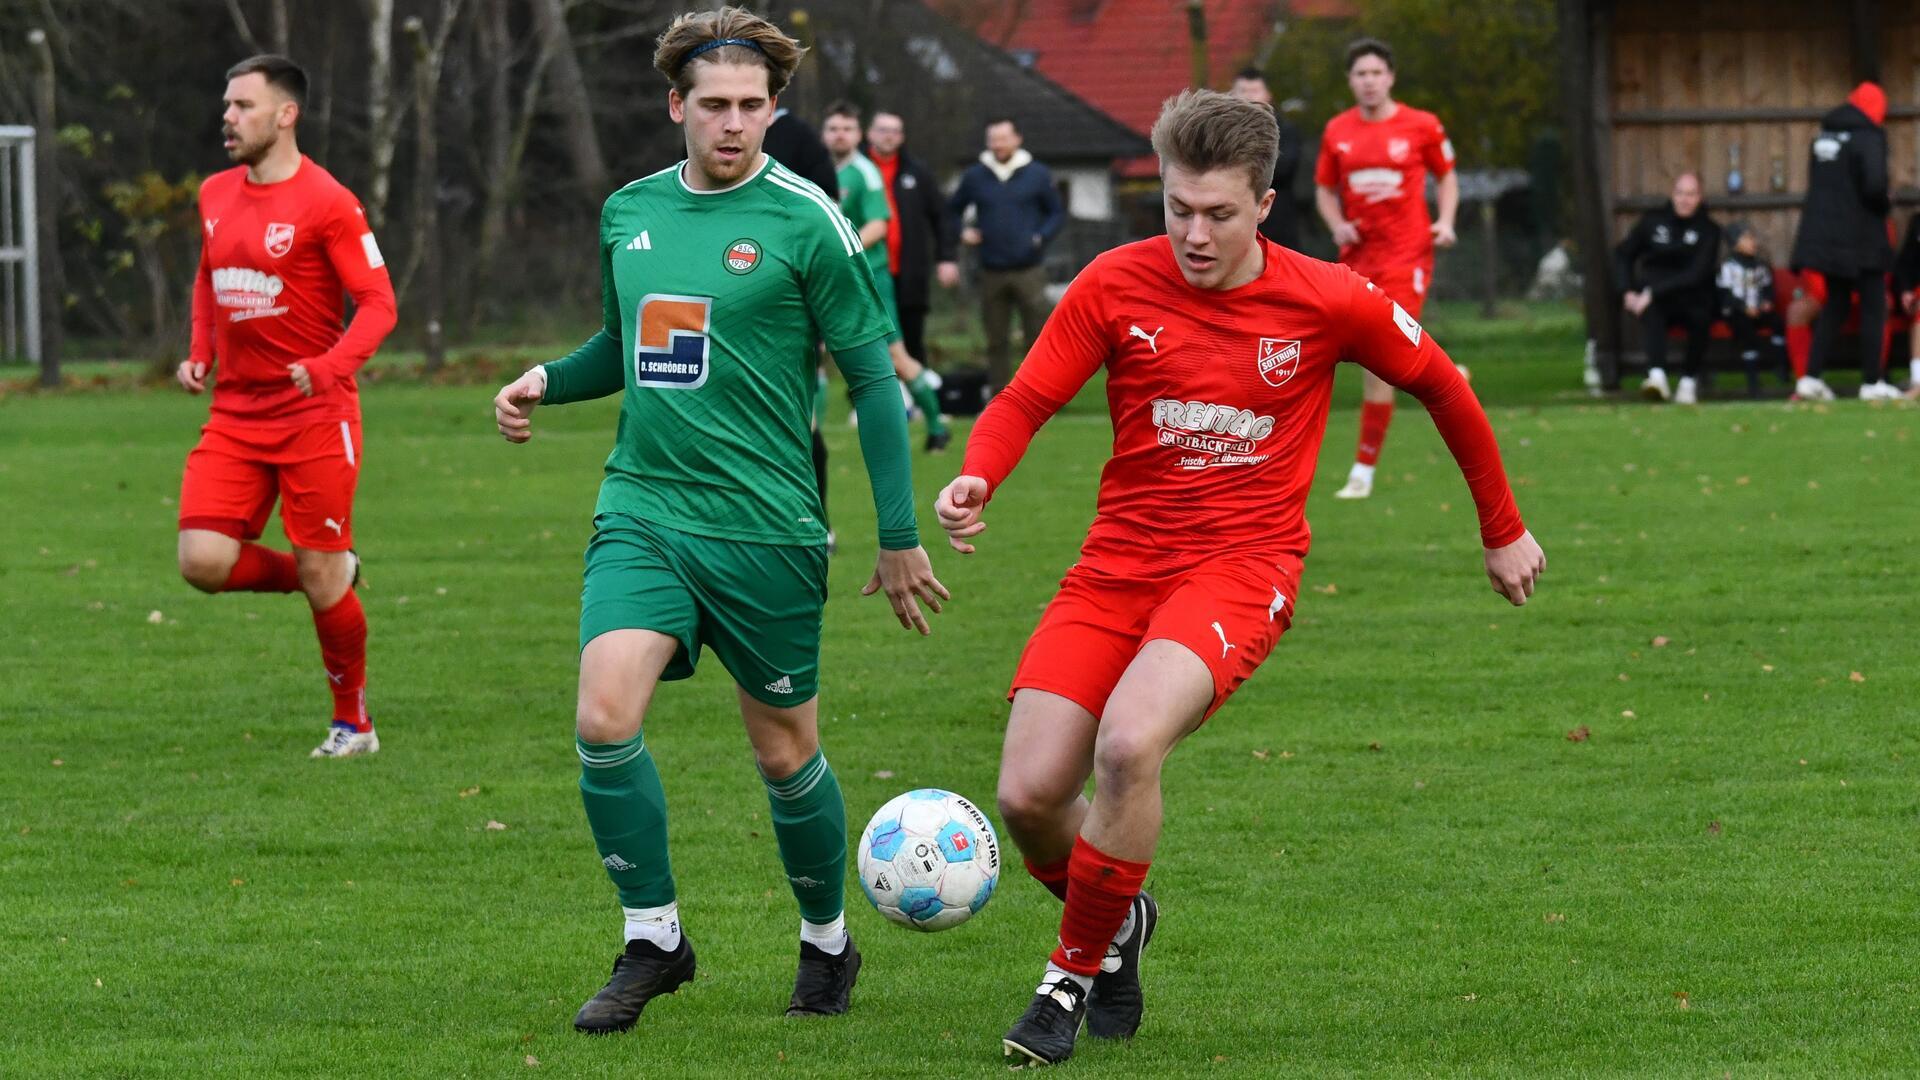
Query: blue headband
(720,43)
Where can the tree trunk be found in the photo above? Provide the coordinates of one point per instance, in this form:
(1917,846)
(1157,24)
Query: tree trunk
(319,137)
(383,120)
(427,59)
(508,127)
(1197,33)
(571,99)
(47,196)
(278,28)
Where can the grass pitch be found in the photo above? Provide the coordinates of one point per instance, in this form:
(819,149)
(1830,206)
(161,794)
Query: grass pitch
(1661,821)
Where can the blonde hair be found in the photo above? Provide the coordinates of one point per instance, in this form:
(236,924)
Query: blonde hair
(770,47)
(1202,130)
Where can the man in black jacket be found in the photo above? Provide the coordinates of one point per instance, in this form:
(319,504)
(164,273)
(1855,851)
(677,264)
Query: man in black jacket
(919,233)
(1282,224)
(1018,213)
(1843,235)
(1665,270)
(1906,286)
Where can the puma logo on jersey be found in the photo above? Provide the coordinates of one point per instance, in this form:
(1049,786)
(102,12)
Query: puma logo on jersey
(337,526)
(211,222)
(1225,645)
(1134,331)
(643,242)
(1069,951)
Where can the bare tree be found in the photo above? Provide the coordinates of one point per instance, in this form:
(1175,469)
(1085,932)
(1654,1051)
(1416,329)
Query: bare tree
(569,86)
(424,256)
(383,119)
(53,279)
(508,126)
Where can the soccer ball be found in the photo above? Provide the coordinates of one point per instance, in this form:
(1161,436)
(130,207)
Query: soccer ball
(929,860)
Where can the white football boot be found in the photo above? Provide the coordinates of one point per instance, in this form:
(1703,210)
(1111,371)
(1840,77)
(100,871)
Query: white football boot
(1359,483)
(1655,388)
(1688,392)
(342,741)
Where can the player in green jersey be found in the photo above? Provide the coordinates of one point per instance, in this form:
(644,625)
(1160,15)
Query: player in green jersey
(718,275)
(863,199)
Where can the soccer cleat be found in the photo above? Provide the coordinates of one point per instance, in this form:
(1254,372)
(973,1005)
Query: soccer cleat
(1688,392)
(641,973)
(343,741)
(353,558)
(1359,486)
(1812,388)
(824,984)
(937,442)
(1044,1034)
(1879,391)
(1655,388)
(1114,1004)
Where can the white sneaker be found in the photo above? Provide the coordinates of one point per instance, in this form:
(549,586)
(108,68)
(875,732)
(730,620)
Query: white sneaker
(1813,388)
(1359,483)
(343,741)
(1879,391)
(1655,388)
(1688,392)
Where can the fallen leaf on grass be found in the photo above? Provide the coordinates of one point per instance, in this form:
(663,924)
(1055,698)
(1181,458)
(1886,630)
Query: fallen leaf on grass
(467,793)
(1661,642)
(156,618)
(1579,734)
(1856,676)
(883,774)
(1803,761)
(1329,589)
(237,882)
(1713,828)
(1768,668)
(530,1061)
(496,826)
(1374,746)
(57,763)
(97,982)
(1284,754)
(1469,997)
(1261,754)
(1681,999)
(1555,917)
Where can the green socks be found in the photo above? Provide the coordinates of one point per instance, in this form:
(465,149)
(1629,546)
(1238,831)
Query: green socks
(925,389)
(810,822)
(627,811)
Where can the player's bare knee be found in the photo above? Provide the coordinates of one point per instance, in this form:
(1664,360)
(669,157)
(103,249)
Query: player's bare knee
(1026,807)
(1125,754)
(206,571)
(324,575)
(599,720)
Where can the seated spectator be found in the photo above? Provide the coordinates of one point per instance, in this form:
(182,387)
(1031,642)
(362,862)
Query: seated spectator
(1906,288)
(1664,269)
(1746,302)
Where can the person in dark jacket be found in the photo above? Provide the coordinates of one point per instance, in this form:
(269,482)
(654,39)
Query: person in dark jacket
(1906,286)
(1017,212)
(1282,223)
(1665,271)
(919,233)
(1745,285)
(1843,235)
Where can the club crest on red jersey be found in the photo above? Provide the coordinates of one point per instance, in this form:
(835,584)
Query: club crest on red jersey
(279,238)
(1278,360)
(1397,149)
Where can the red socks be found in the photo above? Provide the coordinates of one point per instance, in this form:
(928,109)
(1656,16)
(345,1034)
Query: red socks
(343,649)
(1799,347)
(1053,876)
(1374,418)
(262,569)
(1101,888)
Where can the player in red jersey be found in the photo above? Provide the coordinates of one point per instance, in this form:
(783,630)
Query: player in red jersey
(1371,188)
(1220,348)
(281,241)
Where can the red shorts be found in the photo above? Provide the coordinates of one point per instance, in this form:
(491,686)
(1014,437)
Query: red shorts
(234,474)
(1230,611)
(1406,286)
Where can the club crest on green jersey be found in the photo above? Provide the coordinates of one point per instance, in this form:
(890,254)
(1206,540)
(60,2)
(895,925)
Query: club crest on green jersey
(742,256)
(671,336)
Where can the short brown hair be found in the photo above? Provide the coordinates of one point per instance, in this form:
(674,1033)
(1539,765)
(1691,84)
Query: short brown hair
(1367,46)
(842,107)
(1202,130)
(768,47)
(281,73)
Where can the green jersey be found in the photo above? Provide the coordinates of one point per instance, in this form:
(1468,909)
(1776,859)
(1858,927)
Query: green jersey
(712,304)
(863,199)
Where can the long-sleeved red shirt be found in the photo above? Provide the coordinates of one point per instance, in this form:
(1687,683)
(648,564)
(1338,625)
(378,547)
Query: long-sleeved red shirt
(1219,401)
(275,260)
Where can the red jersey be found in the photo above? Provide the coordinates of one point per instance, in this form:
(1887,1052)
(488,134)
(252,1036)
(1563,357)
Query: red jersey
(274,262)
(890,169)
(1219,402)
(1380,169)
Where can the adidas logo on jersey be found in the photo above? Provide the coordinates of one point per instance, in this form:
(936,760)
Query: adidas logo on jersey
(781,685)
(615,862)
(643,242)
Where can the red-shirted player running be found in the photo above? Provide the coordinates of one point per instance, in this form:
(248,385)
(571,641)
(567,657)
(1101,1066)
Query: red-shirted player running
(1220,350)
(1371,188)
(281,241)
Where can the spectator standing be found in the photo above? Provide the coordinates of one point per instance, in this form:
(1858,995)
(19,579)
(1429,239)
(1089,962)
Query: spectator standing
(1282,223)
(1843,235)
(918,233)
(1017,213)
(1665,270)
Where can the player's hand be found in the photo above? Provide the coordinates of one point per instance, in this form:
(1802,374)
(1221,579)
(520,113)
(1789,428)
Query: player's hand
(513,405)
(970,236)
(1910,300)
(192,375)
(1514,569)
(949,274)
(302,378)
(958,507)
(907,578)
(1346,234)
(1443,234)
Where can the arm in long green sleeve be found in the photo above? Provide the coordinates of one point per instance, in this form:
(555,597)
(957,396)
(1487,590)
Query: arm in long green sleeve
(883,440)
(597,368)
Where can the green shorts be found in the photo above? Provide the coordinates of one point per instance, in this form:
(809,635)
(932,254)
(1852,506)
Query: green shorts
(884,282)
(758,606)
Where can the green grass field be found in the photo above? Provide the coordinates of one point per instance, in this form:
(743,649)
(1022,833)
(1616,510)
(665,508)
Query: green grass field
(1390,855)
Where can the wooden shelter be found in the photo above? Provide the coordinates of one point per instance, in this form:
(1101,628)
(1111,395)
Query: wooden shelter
(1655,88)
